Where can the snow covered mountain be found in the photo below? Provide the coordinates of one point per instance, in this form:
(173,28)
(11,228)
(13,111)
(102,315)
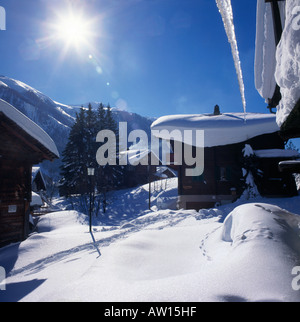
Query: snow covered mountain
(56,118)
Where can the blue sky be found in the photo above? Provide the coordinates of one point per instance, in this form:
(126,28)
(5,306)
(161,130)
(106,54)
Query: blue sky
(152,57)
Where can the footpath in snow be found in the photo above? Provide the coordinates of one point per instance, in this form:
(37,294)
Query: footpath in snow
(240,252)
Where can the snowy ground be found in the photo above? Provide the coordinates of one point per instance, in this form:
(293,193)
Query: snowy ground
(160,255)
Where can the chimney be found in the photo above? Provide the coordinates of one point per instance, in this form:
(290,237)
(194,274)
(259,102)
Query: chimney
(217,110)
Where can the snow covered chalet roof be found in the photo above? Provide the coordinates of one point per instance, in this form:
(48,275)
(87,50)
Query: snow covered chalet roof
(224,129)
(28,126)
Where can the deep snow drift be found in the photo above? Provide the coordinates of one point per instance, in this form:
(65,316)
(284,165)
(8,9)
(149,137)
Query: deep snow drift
(161,255)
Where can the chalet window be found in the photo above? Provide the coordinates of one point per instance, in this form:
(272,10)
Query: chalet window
(223,174)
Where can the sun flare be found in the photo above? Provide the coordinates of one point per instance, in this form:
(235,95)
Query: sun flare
(73,30)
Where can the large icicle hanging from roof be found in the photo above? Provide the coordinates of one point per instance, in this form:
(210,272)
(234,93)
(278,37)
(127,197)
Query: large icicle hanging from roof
(225,9)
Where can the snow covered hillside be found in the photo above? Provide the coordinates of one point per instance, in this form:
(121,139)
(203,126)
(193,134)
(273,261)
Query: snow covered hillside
(239,252)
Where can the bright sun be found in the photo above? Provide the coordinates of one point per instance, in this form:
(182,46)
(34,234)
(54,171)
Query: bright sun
(73,29)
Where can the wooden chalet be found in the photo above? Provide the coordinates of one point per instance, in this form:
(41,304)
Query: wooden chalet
(223,178)
(23,144)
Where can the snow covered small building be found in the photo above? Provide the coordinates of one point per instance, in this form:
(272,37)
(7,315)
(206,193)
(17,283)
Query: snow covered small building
(225,137)
(38,181)
(23,144)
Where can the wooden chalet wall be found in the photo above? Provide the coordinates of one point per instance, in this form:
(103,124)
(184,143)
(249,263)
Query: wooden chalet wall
(15,200)
(222,172)
(222,180)
(15,188)
(18,153)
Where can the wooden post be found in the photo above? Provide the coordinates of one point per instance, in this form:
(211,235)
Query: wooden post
(149,179)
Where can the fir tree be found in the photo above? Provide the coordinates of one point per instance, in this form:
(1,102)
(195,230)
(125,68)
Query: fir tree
(101,118)
(74,165)
(80,154)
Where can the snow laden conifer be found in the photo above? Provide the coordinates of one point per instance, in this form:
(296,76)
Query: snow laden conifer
(73,179)
(250,171)
(80,154)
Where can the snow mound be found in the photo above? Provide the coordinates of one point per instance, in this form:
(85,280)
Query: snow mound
(59,220)
(259,220)
(264,248)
